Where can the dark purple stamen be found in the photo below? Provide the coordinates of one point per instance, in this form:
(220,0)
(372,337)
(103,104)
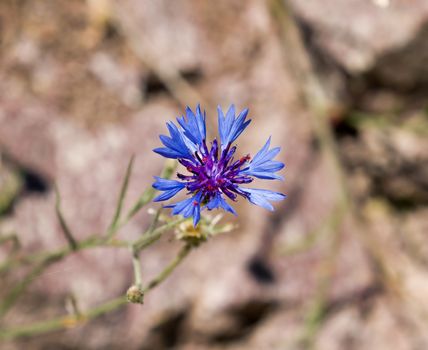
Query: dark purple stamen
(199,158)
(214,175)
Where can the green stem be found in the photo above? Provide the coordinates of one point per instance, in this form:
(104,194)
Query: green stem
(75,320)
(149,194)
(10,299)
(155,220)
(65,228)
(42,264)
(44,260)
(170,268)
(151,237)
(145,198)
(137,268)
(114,226)
(62,322)
(92,242)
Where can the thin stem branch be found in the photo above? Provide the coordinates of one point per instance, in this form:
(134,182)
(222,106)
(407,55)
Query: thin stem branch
(73,305)
(149,193)
(136,263)
(115,222)
(65,229)
(41,265)
(62,322)
(149,238)
(75,320)
(10,299)
(91,242)
(170,268)
(155,220)
(43,260)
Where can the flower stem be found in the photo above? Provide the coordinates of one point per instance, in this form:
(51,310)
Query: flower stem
(170,268)
(76,320)
(152,236)
(149,193)
(62,322)
(137,268)
(114,226)
(65,228)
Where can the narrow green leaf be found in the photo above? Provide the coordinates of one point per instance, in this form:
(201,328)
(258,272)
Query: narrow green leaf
(67,232)
(115,222)
(149,193)
(145,198)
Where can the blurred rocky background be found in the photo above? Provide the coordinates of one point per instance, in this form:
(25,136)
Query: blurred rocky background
(340,85)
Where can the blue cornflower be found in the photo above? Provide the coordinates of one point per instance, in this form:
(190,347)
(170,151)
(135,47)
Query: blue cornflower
(214,172)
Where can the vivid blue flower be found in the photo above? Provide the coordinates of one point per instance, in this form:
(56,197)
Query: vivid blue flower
(170,188)
(214,173)
(194,127)
(262,197)
(230,127)
(175,146)
(262,166)
(188,207)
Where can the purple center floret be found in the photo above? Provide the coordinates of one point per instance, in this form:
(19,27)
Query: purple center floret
(212,174)
(213,171)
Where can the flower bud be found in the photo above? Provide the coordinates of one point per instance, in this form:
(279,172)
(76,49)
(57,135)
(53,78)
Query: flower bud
(191,235)
(135,295)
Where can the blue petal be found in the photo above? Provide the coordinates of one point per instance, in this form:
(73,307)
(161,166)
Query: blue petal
(175,145)
(194,126)
(188,207)
(230,127)
(166,152)
(171,188)
(262,197)
(179,206)
(166,184)
(196,215)
(262,166)
(218,202)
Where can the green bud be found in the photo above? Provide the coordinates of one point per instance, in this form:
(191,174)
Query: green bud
(135,295)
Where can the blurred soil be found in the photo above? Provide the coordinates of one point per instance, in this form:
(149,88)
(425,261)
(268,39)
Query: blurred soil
(341,264)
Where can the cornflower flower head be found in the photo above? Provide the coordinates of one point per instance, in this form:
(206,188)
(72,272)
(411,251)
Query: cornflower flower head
(214,172)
